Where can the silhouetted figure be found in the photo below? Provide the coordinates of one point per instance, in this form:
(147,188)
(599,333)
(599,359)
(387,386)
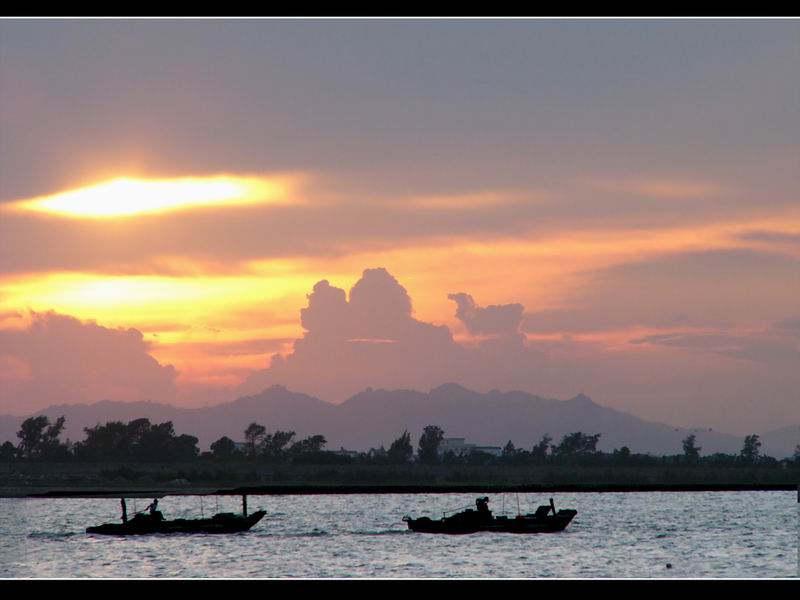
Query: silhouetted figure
(154,512)
(124,510)
(483,508)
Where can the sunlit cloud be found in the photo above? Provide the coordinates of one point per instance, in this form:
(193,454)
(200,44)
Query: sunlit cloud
(221,360)
(220,307)
(151,300)
(126,197)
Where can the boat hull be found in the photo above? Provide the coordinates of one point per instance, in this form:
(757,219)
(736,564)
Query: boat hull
(218,524)
(522,524)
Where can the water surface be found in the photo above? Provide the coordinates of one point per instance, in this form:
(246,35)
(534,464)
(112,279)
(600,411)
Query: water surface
(700,534)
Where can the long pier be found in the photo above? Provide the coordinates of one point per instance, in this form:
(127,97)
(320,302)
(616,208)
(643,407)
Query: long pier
(276,490)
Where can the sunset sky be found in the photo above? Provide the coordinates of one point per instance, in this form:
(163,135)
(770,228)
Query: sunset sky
(607,207)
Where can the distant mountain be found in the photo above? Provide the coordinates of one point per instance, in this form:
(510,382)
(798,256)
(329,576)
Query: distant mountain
(276,408)
(781,442)
(375,418)
(496,417)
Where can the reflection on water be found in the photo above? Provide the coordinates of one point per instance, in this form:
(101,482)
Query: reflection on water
(714,534)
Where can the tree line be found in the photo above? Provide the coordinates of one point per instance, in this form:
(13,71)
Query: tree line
(142,441)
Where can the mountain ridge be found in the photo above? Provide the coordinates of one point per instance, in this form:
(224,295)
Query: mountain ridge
(375,417)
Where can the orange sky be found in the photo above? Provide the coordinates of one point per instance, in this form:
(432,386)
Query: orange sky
(643,238)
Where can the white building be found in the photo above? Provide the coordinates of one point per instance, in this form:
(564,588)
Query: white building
(457,446)
(460,447)
(349,453)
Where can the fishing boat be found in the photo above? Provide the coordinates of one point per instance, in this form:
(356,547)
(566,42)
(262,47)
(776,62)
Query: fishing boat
(154,522)
(545,520)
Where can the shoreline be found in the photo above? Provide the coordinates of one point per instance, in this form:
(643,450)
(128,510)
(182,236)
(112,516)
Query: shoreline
(286,490)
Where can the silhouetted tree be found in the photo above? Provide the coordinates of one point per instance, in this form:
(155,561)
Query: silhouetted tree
(428,449)
(576,445)
(377,455)
(136,430)
(39,439)
(691,452)
(451,458)
(8,452)
(720,459)
(311,444)
(796,455)
(401,451)
(539,451)
(273,446)
(511,455)
(751,452)
(253,436)
(113,441)
(509,451)
(155,442)
(224,448)
(184,448)
(478,457)
(622,455)
(136,440)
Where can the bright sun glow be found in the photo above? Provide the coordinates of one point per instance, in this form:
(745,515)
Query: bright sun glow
(125,197)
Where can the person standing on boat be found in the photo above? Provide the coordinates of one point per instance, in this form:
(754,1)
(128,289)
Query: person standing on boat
(124,510)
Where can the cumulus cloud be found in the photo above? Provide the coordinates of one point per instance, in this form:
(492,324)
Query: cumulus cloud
(370,338)
(59,359)
(379,309)
(497,319)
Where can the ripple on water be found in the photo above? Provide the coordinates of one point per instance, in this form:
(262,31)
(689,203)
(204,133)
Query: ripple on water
(738,534)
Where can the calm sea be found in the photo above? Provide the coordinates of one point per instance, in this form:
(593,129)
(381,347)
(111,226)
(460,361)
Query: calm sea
(715,534)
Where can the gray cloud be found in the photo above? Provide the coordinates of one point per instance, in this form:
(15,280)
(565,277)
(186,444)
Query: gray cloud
(357,221)
(693,289)
(398,95)
(773,237)
(789,325)
(356,104)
